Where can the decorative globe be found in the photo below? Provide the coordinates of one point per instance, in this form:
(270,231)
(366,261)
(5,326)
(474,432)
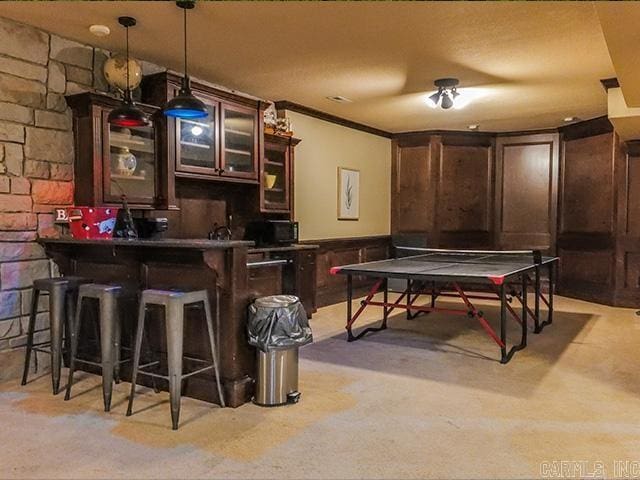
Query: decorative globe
(115,72)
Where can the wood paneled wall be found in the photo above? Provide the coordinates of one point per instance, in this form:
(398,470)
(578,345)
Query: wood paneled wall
(343,251)
(442,187)
(573,192)
(476,191)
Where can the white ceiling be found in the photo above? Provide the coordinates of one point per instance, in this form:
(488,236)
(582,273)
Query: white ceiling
(530,63)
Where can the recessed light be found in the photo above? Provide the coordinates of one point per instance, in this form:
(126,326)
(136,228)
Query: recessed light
(99,30)
(340,99)
(570,119)
(473,126)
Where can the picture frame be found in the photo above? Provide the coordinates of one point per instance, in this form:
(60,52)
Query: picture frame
(348,194)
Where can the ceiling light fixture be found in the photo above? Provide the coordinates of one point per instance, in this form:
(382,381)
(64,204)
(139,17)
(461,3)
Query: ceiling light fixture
(446,95)
(570,119)
(185,104)
(127,115)
(473,126)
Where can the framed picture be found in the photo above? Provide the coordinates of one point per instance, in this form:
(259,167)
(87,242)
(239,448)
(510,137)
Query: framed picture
(348,194)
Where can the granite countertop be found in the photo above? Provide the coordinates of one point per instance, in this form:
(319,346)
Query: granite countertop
(192,243)
(287,248)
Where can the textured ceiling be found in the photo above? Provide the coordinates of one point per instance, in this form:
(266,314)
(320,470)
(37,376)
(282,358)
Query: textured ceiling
(530,64)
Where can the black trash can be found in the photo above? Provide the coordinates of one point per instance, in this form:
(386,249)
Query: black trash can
(277,326)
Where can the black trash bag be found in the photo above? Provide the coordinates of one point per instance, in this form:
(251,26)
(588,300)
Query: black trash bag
(278,322)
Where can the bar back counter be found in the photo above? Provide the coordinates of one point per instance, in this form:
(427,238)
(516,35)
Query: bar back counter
(218,266)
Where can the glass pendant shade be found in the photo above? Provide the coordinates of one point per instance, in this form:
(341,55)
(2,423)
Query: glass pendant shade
(127,114)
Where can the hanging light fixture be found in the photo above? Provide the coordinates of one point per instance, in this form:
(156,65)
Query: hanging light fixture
(446,94)
(127,115)
(185,104)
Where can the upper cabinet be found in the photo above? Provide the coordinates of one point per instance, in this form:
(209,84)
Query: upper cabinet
(276,182)
(113,161)
(224,146)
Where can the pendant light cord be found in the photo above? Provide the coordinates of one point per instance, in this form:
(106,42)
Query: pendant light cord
(127,90)
(185,43)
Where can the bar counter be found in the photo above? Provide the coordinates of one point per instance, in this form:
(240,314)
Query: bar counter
(220,267)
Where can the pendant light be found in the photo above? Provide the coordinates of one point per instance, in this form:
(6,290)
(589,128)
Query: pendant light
(127,115)
(185,105)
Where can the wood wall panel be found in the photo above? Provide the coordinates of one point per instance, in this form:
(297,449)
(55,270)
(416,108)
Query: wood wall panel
(526,191)
(587,186)
(632,270)
(590,267)
(412,197)
(465,188)
(632,224)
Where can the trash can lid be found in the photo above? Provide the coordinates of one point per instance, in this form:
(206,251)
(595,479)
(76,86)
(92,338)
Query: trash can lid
(276,301)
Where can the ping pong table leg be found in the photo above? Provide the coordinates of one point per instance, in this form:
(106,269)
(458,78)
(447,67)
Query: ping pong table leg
(525,310)
(349,306)
(552,283)
(503,324)
(385,310)
(409,287)
(536,317)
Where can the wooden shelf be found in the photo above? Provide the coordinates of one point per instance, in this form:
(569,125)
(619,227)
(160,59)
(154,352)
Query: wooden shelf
(239,152)
(274,190)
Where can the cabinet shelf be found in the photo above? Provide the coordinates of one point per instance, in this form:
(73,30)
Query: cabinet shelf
(274,190)
(118,176)
(193,122)
(237,132)
(197,145)
(239,152)
(274,164)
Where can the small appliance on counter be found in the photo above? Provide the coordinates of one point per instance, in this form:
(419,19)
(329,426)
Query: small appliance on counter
(151,227)
(272,232)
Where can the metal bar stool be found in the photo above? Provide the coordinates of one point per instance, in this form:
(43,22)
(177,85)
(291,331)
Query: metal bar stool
(174,303)
(109,319)
(62,292)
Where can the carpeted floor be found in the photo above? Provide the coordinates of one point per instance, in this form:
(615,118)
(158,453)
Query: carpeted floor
(423,399)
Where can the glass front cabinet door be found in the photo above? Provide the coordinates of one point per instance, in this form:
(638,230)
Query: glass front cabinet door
(276,192)
(114,161)
(129,163)
(197,141)
(239,142)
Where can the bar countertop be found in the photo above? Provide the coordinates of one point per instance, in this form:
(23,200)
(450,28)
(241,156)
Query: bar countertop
(187,243)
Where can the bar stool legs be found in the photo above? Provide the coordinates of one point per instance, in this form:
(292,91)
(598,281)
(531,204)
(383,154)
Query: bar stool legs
(174,304)
(175,325)
(60,314)
(107,296)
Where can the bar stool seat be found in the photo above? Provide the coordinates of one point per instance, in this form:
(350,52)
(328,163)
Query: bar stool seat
(110,328)
(174,303)
(62,292)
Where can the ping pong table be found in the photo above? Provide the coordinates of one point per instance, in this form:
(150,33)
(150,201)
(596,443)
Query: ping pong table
(464,274)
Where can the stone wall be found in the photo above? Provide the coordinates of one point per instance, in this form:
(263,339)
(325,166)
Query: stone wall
(37,70)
